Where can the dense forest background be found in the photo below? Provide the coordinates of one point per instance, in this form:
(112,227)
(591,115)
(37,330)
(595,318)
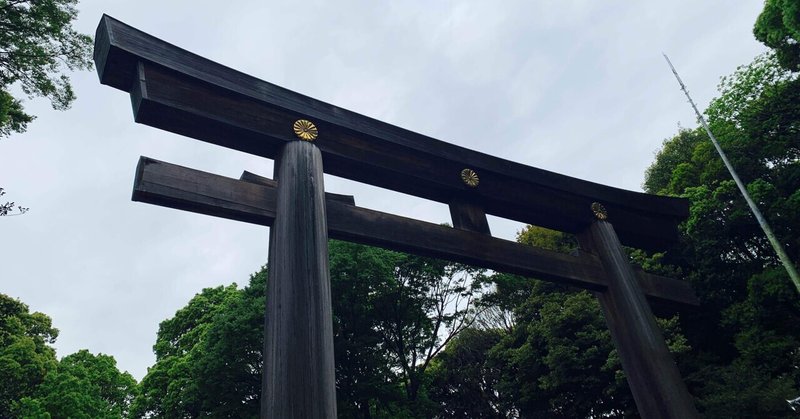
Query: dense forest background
(417,337)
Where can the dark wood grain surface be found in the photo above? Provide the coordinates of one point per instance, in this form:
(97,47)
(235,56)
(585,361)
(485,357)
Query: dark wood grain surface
(181,92)
(653,376)
(298,379)
(178,187)
(469,216)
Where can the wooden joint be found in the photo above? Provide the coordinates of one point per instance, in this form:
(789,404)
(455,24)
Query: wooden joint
(469,216)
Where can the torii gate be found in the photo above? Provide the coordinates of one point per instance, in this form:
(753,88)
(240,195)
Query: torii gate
(181,92)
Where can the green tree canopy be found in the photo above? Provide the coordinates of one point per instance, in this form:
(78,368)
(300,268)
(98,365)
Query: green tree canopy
(393,313)
(745,334)
(464,381)
(33,384)
(83,386)
(554,358)
(37,45)
(778,27)
(25,352)
(208,357)
(543,350)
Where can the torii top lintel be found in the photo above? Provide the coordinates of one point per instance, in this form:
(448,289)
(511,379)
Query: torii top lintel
(181,92)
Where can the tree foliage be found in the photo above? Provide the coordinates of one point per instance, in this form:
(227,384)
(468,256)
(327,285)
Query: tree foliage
(83,385)
(465,382)
(744,337)
(33,384)
(778,27)
(366,383)
(7,208)
(37,45)
(426,304)
(411,339)
(208,357)
(25,352)
(556,358)
(393,313)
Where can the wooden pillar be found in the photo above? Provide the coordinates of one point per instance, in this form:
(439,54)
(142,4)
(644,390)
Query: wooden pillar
(651,372)
(298,380)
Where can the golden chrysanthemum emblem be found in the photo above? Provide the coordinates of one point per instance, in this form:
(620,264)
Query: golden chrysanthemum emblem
(470,178)
(305,130)
(599,211)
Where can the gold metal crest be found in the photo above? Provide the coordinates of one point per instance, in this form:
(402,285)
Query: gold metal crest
(305,130)
(470,178)
(599,211)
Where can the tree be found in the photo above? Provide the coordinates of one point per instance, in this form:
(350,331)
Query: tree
(82,386)
(673,172)
(25,352)
(33,384)
(463,380)
(37,44)
(744,336)
(208,357)
(12,117)
(7,208)
(778,27)
(543,351)
(393,313)
(559,361)
(366,383)
(426,305)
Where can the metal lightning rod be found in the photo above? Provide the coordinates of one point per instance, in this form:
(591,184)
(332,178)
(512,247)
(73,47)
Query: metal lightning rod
(787,263)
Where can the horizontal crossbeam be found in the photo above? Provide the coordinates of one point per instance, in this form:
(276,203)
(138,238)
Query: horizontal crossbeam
(254,201)
(181,92)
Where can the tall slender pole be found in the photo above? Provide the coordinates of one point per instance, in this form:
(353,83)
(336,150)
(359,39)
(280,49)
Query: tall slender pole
(787,263)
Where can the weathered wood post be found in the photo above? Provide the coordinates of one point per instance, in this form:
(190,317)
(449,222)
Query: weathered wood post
(651,372)
(298,379)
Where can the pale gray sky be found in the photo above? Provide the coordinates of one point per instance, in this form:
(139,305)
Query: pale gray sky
(575,87)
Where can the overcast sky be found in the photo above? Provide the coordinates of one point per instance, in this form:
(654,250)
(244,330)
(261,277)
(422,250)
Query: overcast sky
(575,87)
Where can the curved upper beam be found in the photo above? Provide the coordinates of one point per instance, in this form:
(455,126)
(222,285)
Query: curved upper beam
(179,91)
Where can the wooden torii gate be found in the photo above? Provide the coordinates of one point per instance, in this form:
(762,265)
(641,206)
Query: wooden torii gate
(181,92)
